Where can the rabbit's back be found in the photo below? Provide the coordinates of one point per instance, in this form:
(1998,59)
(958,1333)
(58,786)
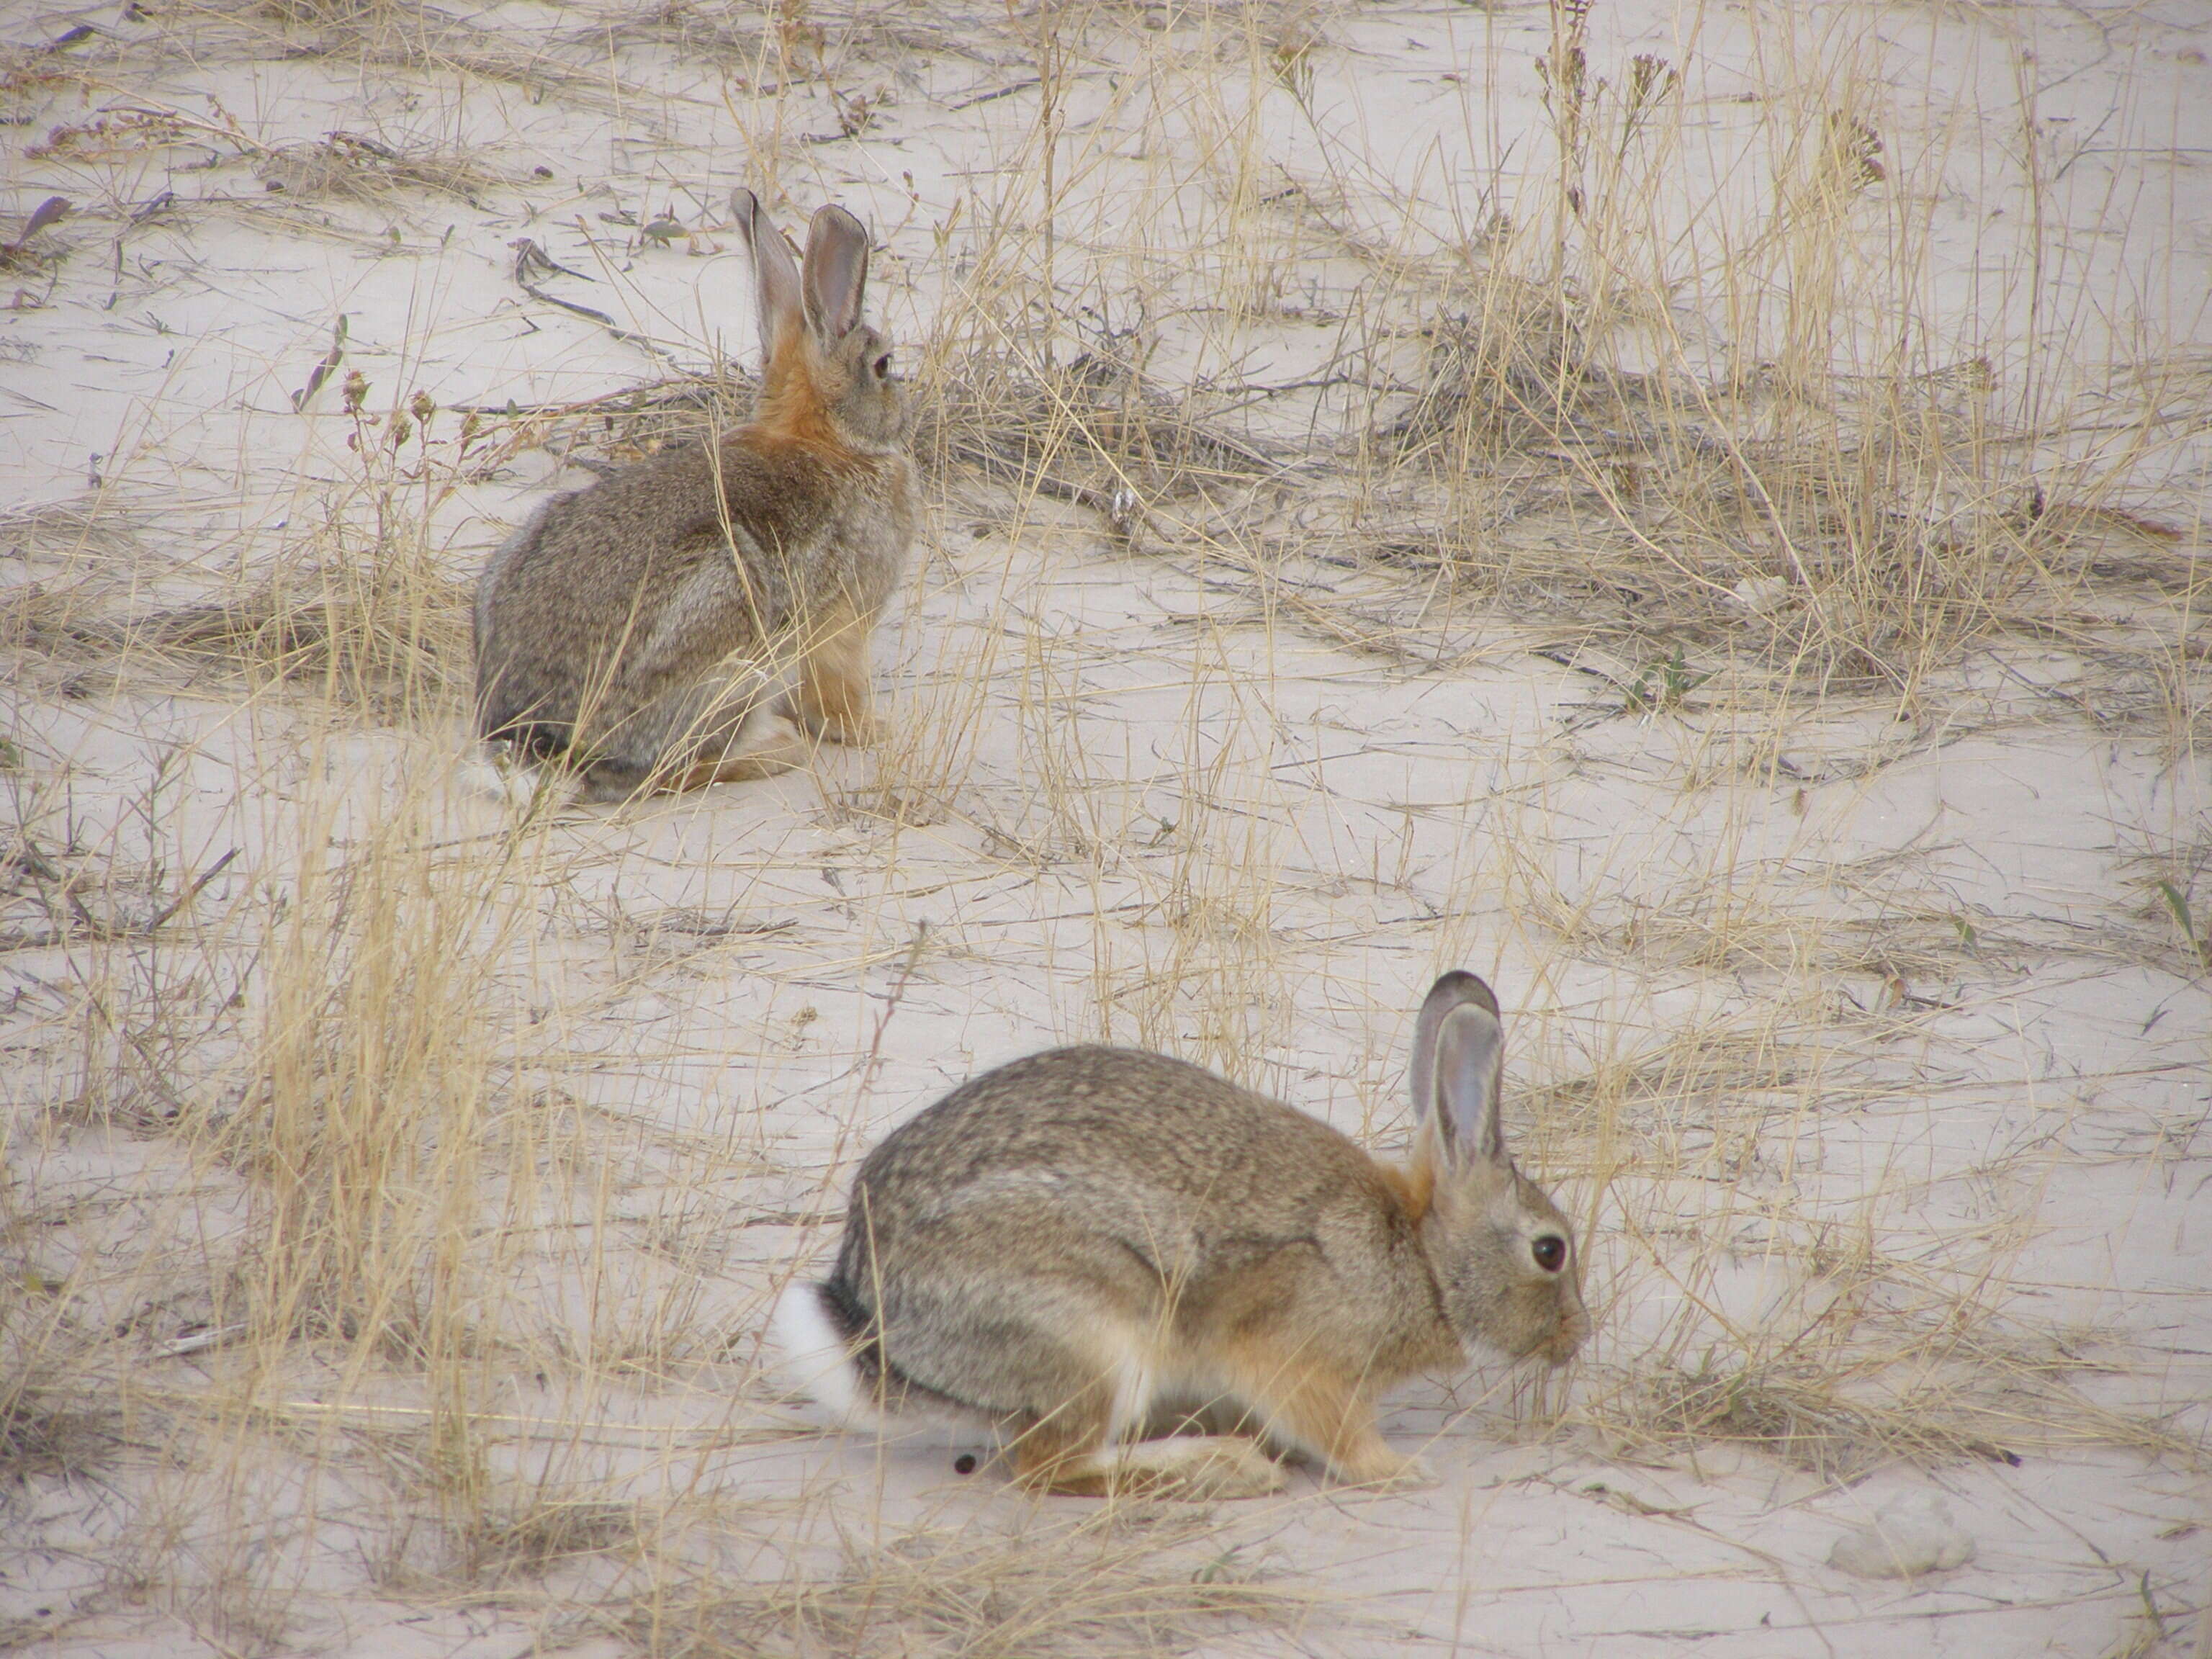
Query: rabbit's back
(1130,1165)
(1111,1118)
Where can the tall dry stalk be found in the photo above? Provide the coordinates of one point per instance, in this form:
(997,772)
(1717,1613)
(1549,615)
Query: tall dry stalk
(368,1101)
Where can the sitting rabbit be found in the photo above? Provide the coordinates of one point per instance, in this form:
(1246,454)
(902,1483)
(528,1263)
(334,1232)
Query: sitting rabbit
(664,627)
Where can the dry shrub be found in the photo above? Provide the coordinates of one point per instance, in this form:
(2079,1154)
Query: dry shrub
(360,1110)
(424,40)
(531,1537)
(388,639)
(58,1416)
(1799,1418)
(365,1100)
(66,622)
(1509,369)
(1128,1581)
(363,609)
(1711,1081)
(694,30)
(359,608)
(599,433)
(81,559)
(352,167)
(1822,496)
(48,1425)
(1853,540)
(1094,431)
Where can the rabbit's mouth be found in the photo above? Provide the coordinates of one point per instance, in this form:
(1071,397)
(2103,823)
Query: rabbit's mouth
(1568,1340)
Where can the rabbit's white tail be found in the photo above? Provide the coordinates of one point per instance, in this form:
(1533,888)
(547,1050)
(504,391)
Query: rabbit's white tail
(814,1356)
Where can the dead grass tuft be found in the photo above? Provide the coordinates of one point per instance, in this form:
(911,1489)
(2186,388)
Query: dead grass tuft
(1511,372)
(1130,1581)
(537,1534)
(615,427)
(48,1424)
(1095,431)
(386,636)
(1798,1418)
(419,40)
(351,166)
(62,621)
(1851,541)
(361,1120)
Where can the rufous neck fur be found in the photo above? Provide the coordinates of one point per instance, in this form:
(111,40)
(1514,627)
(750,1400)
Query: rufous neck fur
(1414,1184)
(792,407)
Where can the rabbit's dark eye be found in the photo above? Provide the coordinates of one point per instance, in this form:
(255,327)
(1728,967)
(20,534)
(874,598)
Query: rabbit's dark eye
(883,367)
(1551,1252)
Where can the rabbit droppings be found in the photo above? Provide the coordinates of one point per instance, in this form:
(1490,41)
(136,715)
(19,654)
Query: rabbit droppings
(664,627)
(1093,1245)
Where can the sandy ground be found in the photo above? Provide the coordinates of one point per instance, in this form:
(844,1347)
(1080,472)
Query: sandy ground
(1848,1016)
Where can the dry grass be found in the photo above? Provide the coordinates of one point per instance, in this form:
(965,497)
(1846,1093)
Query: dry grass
(356,607)
(392,642)
(47,1428)
(1123,1585)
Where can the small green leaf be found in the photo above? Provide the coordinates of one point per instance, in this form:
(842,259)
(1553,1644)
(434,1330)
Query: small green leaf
(2200,946)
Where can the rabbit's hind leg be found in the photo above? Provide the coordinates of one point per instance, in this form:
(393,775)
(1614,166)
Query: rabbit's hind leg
(1053,1458)
(1196,1466)
(1080,1450)
(721,729)
(610,780)
(769,744)
(1072,1447)
(1065,1452)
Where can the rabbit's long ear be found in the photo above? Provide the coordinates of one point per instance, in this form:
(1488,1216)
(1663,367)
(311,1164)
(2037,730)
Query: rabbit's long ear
(1458,1070)
(773,270)
(836,272)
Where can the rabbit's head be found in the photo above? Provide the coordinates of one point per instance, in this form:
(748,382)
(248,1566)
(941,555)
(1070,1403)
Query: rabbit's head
(1505,1257)
(829,374)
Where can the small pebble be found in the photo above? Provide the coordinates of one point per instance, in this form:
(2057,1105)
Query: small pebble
(1756,595)
(1909,1536)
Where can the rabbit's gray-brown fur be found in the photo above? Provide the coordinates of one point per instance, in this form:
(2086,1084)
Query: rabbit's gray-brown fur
(662,626)
(1091,1243)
